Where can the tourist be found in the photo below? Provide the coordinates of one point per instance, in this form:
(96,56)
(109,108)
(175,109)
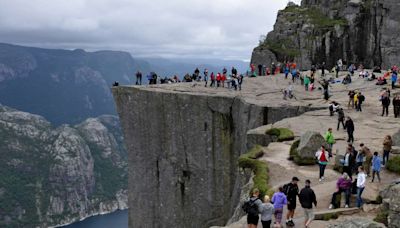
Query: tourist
(223,78)
(361,178)
(260,69)
(266,211)
(286,71)
(351,69)
(273,68)
(323,69)
(360,100)
(205,77)
(306,82)
(212,78)
(294,75)
(234,71)
(323,158)
(313,69)
(325,85)
(340,118)
(292,191)
(387,147)
(279,200)
(367,161)
(376,166)
(240,81)
(359,159)
(394,79)
(253,209)
(342,185)
(307,199)
(349,126)
(253,70)
(218,79)
(337,69)
(333,107)
(196,73)
(330,139)
(138,78)
(396,105)
(385,104)
(351,98)
(348,161)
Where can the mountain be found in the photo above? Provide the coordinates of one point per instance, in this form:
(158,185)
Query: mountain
(52,176)
(356,31)
(61,85)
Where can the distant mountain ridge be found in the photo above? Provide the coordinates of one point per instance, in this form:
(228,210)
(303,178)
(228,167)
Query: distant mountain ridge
(61,85)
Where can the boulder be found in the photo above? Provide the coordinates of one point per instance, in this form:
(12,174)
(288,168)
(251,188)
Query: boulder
(396,138)
(357,223)
(310,142)
(391,201)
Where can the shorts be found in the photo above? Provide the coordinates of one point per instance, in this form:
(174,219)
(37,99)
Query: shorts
(309,214)
(251,219)
(278,215)
(292,205)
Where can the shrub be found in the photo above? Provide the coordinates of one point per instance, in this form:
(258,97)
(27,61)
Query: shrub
(382,217)
(283,134)
(394,165)
(259,168)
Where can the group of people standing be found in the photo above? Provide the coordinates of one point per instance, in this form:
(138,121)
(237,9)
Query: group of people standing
(286,195)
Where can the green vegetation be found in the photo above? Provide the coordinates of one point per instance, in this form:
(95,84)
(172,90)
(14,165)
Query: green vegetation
(394,165)
(315,16)
(382,217)
(284,47)
(329,216)
(294,156)
(283,134)
(259,168)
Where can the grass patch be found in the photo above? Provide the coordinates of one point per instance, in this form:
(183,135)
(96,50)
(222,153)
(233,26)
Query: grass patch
(283,134)
(294,156)
(394,165)
(330,216)
(382,217)
(259,168)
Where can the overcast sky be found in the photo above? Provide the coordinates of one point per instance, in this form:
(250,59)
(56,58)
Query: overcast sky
(225,29)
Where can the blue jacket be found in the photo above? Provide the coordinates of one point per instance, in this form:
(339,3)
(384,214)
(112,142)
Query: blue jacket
(394,77)
(376,163)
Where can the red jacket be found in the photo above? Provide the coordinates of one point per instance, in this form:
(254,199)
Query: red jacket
(218,77)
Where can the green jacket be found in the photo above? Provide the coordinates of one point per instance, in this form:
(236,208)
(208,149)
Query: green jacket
(306,80)
(329,138)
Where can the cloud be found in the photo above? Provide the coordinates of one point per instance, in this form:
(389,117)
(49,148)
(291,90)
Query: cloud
(227,29)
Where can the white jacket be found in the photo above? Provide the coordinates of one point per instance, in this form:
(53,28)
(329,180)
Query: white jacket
(361,177)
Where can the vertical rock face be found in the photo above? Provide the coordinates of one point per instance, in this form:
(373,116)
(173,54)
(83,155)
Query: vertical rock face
(356,31)
(183,151)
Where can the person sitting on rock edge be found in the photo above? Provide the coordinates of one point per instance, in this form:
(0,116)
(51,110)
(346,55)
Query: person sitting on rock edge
(342,185)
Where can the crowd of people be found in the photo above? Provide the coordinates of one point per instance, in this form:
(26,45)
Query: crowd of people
(358,165)
(232,80)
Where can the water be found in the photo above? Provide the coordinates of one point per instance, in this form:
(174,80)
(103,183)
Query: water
(118,219)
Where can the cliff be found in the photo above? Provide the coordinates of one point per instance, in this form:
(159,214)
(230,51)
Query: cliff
(356,31)
(51,176)
(183,142)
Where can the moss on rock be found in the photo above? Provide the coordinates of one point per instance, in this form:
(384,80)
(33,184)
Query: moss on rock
(382,217)
(259,168)
(283,134)
(394,165)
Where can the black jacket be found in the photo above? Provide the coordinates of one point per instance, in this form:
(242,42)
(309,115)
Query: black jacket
(386,101)
(307,198)
(349,125)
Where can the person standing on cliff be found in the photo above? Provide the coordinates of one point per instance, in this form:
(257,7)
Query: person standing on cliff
(323,158)
(396,106)
(323,69)
(394,79)
(205,77)
(330,139)
(292,191)
(260,69)
(279,200)
(138,78)
(387,147)
(218,80)
(307,199)
(349,126)
(255,208)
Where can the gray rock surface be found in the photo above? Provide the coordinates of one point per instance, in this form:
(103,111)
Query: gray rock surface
(183,148)
(396,138)
(325,31)
(310,143)
(357,222)
(53,176)
(391,201)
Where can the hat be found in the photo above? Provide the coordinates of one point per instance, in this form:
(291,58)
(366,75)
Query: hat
(295,179)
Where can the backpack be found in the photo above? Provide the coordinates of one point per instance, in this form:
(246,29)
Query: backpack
(250,207)
(286,189)
(361,98)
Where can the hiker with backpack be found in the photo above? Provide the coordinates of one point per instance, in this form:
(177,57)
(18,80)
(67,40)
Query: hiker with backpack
(266,211)
(342,185)
(252,207)
(323,158)
(307,199)
(279,200)
(360,100)
(291,191)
